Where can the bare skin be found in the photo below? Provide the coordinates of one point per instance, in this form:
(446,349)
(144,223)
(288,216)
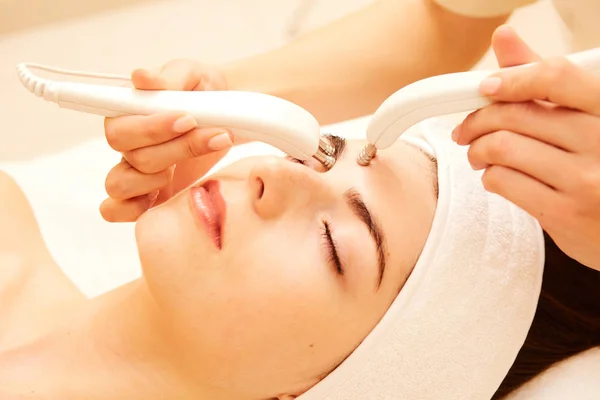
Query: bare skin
(35,293)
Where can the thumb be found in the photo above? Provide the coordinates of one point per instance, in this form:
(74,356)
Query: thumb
(510,49)
(147,80)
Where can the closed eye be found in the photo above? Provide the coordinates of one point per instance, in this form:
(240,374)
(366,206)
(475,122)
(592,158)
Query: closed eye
(332,253)
(296,160)
(359,208)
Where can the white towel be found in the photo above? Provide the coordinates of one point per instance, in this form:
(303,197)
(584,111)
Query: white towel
(457,325)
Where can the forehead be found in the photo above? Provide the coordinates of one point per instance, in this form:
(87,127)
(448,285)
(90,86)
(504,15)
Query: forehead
(401,166)
(398,187)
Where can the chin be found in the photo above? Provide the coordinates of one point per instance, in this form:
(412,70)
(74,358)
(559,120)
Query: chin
(170,247)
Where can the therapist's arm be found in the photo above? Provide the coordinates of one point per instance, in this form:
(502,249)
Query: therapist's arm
(346,69)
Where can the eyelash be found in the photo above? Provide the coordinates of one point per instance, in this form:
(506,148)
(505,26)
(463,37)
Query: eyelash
(292,159)
(331,248)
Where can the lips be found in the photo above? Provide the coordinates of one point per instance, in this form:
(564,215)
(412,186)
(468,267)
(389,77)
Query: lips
(209,206)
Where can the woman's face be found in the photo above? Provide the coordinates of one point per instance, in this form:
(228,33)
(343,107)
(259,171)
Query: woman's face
(300,267)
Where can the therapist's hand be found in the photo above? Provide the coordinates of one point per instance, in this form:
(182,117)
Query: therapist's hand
(540,146)
(162,153)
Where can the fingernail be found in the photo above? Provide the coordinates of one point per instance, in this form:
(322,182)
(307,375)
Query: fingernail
(220,142)
(456,133)
(153,196)
(184,124)
(476,165)
(490,86)
(505,28)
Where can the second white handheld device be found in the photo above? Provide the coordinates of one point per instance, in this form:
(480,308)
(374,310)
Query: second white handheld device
(440,95)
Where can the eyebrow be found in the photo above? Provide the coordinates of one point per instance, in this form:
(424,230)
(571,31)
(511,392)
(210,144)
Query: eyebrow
(359,208)
(356,203)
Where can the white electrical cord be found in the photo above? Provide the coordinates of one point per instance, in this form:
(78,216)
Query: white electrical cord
(46,88)
(73,72)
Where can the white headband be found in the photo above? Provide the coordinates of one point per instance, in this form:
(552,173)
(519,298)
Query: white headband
(458,323)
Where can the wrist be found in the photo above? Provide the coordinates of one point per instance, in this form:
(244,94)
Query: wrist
(255,74)
(234,76)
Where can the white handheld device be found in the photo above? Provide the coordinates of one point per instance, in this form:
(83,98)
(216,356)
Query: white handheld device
(275,121)
(249,115)
(440,95)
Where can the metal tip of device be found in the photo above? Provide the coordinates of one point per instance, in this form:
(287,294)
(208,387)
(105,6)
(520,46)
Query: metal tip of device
(366,155)
(326,147)
(325,159)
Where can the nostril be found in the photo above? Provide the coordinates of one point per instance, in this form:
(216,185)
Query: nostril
(261,187)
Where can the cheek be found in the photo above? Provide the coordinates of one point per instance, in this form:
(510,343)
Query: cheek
(274,282)
(171,250)
(272,299)
(276,303)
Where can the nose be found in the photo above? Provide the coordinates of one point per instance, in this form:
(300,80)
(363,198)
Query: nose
(280,186)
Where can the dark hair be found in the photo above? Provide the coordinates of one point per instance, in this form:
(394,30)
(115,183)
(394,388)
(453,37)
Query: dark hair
(566,322)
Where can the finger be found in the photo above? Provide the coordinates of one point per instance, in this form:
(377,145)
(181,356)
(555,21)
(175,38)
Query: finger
(556,80)
(547,164)
(124,210)
(145,79)
(537,199)
(163,195)
(561,127)
(510,49)
(174,75)
(181,74)
(199,142)
(132,132)
(124,182)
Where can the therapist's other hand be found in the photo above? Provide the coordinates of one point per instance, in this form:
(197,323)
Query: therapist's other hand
(540,146)
(162,153)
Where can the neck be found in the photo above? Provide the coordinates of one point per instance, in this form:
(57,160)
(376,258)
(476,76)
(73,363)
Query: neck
(117,348)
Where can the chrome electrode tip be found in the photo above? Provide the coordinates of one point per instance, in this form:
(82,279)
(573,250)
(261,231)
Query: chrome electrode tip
(366,155)
(325,154)
(325,159)
(326,147)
